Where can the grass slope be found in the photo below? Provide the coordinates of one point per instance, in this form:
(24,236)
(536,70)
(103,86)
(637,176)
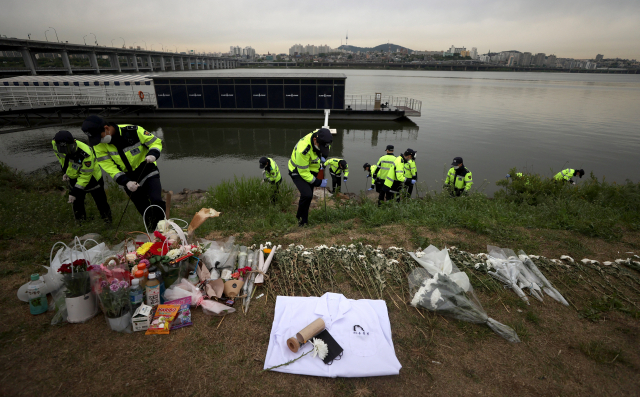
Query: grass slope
(587,348)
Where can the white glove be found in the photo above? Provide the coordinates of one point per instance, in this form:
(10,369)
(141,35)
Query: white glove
(65,178)
(71,199)
(150,158)
(132,186)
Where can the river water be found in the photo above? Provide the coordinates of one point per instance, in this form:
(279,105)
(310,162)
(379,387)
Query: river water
(538,122)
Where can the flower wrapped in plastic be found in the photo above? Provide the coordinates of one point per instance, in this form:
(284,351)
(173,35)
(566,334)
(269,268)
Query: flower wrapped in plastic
(443,294)
(111,282)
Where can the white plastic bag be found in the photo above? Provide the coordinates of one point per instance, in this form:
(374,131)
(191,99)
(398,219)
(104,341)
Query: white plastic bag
(438,261)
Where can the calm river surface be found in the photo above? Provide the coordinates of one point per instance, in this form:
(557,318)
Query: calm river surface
(540,122)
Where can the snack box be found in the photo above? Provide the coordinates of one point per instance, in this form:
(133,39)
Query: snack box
(141,318)
(183,319)
(161,324)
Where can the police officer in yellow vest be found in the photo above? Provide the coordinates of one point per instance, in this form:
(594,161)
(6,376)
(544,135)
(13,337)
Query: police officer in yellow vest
(459,178)
(370,170)
(128,153)
(308,155)
(83,174)
(271,174)
(382,171)
(410,171)
(339,171)
(395,180)
(566,175)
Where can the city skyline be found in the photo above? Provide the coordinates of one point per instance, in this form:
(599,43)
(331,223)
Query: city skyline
(569,29)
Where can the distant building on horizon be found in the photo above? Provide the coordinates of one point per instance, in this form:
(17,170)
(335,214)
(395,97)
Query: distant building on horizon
(525,59)
(551,61)
(599,58)
(474,53)
(539,59)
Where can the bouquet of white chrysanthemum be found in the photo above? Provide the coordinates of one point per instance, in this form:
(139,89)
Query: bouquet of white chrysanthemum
(443,295)
(540,279)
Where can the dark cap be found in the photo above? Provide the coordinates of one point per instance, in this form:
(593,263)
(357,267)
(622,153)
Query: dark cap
(93,127)
(581,171)
(366,165)
(65,143)
(325,139)
(342,164)
(410,151)
(457,161)
(389,147)
(263,162)
(63,136)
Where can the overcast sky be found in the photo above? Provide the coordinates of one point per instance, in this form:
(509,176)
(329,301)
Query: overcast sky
(576,28)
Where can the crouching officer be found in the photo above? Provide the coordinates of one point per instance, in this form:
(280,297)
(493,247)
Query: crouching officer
(370,170)
(82,173)
(309,153)
(566,175)
(128,153)
(339,170)
(459,178)
(410,171)
(271,174)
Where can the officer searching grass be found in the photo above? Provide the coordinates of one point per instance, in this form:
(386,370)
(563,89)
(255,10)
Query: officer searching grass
(128,153)
(271,174)
(304,165)
(82,174)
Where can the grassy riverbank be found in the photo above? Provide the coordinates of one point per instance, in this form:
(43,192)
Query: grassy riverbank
(588,347)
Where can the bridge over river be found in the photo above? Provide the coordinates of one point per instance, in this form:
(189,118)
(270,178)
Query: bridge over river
(120,59)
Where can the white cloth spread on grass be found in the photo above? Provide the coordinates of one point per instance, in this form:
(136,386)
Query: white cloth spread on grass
(361,328)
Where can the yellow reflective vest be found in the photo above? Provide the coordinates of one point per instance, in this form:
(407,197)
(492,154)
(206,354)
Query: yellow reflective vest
(410,171)
(273,174)
(384,165)
(304,161)
(334,169)
(82,166)
(463,181)
(565,175)
(396,173)
(372,170)
(135,143)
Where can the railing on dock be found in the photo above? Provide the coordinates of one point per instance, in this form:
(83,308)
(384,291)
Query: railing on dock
(411,107)
(44,97)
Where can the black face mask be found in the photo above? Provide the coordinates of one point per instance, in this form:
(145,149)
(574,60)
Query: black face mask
(66,148)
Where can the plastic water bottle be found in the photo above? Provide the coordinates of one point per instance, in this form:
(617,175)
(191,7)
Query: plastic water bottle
(38,303)
(153,290)
(135,294)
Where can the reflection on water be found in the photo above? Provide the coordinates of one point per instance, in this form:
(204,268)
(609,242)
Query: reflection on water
(494,120)
(222,150)
(275,138)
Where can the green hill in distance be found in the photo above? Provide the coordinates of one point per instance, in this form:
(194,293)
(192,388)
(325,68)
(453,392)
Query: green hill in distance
(381,47)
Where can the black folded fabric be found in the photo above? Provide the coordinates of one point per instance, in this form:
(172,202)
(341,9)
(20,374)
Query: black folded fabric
(335,350)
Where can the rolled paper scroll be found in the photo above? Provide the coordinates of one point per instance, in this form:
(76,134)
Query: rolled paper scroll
(305,334)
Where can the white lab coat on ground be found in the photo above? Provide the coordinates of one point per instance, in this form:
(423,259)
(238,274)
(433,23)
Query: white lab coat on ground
(361,328)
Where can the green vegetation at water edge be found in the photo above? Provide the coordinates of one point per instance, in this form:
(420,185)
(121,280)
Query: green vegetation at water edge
(36,205)
(593,208)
